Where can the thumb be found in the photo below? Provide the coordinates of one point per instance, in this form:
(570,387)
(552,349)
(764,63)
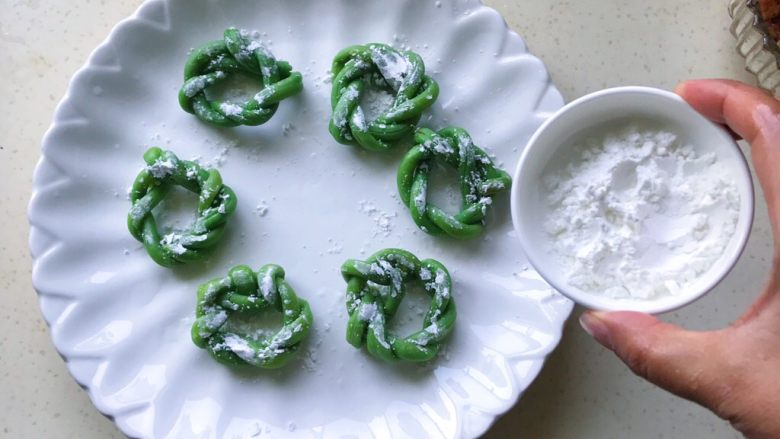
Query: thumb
(688,364)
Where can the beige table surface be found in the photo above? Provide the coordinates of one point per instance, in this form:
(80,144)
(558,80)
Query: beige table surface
(583,392)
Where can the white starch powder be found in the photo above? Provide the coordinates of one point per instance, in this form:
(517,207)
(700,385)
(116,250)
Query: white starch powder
(636,213)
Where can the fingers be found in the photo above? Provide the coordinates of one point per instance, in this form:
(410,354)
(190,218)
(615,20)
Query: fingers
(685,363)
(754,116)
(729,103)
(732,372)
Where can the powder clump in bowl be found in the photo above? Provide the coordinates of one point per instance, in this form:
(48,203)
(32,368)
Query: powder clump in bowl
(634,212)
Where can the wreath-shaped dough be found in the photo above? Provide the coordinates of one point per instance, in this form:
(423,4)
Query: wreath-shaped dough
(400,73)
(376,287)
(214,61)
(245,291)
(216,203)
(479,180)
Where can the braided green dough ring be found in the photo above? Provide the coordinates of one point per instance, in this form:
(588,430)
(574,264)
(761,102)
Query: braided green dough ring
(245,291)
(399,73)
(213,62)
(216,203)
(376,287)
(479,180)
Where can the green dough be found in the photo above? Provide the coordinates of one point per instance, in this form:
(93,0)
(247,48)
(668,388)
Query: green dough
(378,65)
(213,62)
(216,203)
(479,180)
(376,287)
(246,291)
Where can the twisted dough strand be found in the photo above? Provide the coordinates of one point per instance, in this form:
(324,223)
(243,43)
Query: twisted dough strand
(213,62)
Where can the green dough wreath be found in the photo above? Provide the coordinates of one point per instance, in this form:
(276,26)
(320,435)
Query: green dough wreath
(245,291)
(216,203)
(213,62)
(378,65)
(479,180)
(376,287)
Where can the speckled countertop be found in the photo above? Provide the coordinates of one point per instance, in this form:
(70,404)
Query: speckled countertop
(583,392)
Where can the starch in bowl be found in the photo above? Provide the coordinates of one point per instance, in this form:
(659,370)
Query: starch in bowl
(628,199)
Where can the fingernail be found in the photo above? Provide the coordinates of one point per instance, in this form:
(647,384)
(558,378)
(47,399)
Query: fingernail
(594,325)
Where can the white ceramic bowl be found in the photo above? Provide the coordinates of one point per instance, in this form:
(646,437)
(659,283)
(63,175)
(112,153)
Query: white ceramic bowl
(604,107)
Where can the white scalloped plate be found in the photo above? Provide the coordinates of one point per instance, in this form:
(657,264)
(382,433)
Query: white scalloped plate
(122,323)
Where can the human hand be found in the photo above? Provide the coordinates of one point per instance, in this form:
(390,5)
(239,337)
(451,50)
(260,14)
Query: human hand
(735,372)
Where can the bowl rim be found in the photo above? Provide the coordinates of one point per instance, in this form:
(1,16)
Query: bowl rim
(592,301)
